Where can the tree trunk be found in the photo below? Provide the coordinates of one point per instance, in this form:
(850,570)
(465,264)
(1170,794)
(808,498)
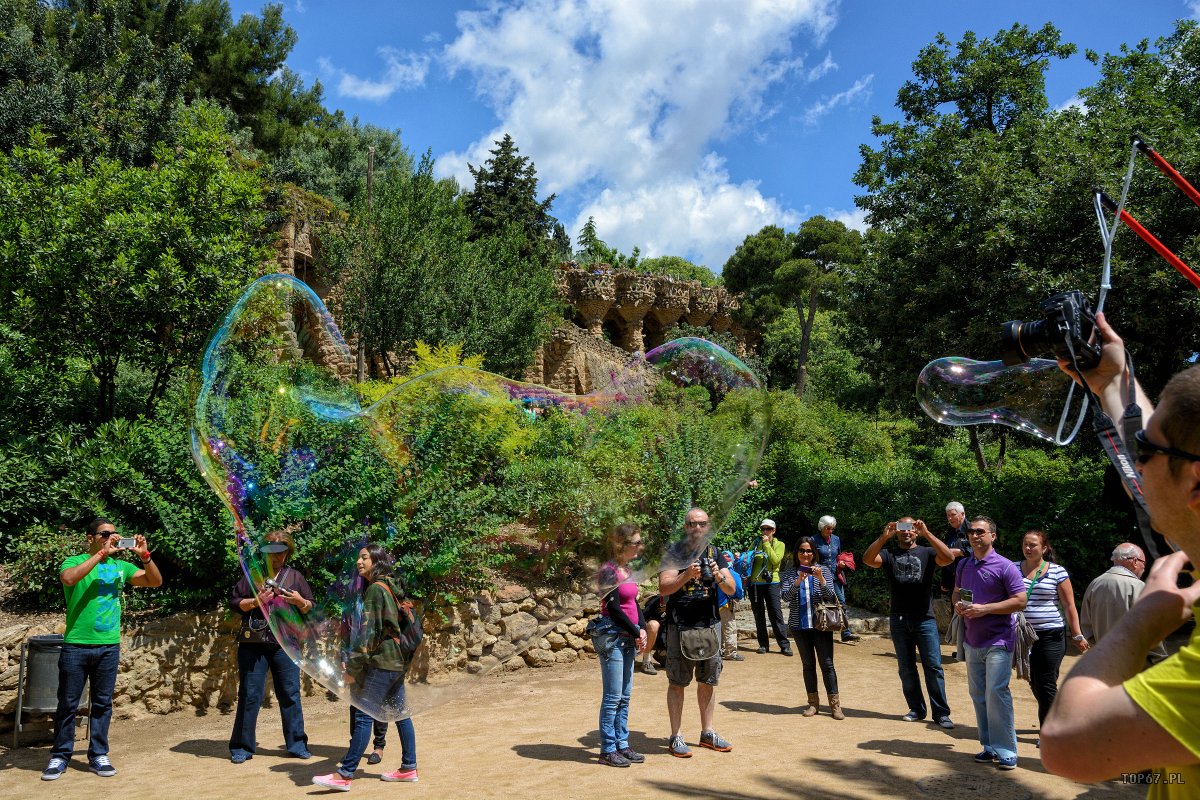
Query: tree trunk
(977,448)
(805,343)
(1003,447)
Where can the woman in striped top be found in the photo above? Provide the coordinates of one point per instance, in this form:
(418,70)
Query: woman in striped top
(804,584)
(1047,585)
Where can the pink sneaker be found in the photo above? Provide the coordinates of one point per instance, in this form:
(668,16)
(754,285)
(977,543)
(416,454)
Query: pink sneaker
(405,775)
(333,781)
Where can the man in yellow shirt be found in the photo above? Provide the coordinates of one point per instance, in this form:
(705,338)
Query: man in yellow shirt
(1110,719)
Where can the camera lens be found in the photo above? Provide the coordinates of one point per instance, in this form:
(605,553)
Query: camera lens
(1021,341)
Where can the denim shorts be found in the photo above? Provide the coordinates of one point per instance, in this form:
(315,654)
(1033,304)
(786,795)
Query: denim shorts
(680,669)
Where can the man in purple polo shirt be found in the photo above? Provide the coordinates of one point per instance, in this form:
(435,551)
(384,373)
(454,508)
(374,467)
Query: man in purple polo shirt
(988,591)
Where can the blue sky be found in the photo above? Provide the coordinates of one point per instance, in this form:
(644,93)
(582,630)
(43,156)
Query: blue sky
(682,126)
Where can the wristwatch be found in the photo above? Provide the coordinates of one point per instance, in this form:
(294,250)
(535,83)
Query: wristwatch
(1079,638)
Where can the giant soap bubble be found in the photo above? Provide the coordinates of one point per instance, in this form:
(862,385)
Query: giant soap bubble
(1032,397)
(472,480)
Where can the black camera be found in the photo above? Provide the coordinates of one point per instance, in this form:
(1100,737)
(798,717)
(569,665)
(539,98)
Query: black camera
(706,573)
(1067,323)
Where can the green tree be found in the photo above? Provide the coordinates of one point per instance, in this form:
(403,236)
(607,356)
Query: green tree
(679,267)
(414,271)
(981,209)
(128,264)
(782,273)
(824,253)
(505,196)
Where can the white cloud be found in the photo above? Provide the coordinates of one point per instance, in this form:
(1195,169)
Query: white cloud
(827,66)
(404,70)
(1074,101)
(702,216)
(861,88)
(855,219)
(1194,5)
(622,101)
(299,6)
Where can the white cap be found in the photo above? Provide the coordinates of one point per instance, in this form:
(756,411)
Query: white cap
(767,523)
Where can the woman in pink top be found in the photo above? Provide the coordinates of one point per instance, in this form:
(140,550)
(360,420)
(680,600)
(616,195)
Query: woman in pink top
(617,635)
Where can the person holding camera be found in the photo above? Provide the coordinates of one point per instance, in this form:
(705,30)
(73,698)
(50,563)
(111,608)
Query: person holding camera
(910,570)
(1113,716)
(376,664)
(988,592)
(284,590)
(829,546)
(805,584)
(91,651)
(692,571)
(764,589)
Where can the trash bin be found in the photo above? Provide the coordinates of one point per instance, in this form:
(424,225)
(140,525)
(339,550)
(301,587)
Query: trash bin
(41,673)
(37,681)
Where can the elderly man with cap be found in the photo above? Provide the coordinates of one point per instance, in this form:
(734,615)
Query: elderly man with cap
(764,589)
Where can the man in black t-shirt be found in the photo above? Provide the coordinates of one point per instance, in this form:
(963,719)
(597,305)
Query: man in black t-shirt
(692,606)
(910,570)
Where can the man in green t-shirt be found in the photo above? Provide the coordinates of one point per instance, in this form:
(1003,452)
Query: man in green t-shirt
(92,583)
(1112,717)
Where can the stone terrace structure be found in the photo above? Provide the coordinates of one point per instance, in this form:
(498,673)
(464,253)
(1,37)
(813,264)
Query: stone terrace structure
(619,313)
(616,313)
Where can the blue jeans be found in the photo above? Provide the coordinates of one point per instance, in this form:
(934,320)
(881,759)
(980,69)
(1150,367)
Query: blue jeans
(77,664)
(386,688)
(919,635)
(616,653)
(254,660)
(988,673)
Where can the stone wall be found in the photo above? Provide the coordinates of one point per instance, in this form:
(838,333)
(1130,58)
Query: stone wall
(188,661)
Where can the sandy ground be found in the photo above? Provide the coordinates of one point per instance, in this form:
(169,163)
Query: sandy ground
(532,734)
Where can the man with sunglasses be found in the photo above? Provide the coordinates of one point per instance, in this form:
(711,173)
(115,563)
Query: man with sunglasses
(988,591)
(91,652)
(692,572)
(1110,596)
(910,570)
(1112,718)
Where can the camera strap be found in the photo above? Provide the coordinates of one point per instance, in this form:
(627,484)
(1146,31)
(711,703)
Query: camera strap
(1118,453)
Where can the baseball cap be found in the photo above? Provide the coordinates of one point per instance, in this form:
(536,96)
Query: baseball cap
(767,523)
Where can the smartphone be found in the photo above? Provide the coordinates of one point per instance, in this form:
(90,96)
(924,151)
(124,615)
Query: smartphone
(807,570)
(126,543)
(904,526)
(966,596)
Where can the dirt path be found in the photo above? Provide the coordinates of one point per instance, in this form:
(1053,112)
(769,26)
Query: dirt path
(532,735)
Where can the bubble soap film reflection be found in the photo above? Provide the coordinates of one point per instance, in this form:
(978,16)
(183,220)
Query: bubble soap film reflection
(285,440)
(1029,397)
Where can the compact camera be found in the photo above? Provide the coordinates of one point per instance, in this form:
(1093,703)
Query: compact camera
(1066,325)
(126,543)
(272,585)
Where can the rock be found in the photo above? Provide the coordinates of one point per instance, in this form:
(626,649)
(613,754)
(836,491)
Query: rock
(519,627)
(508,609)
(537,657)
(475,650)
(511,593)
(566,656)
(556,640)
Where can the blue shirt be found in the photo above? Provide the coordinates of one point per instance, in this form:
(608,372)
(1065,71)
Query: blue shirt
(827,553)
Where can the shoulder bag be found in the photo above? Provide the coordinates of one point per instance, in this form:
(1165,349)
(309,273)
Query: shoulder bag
(830,617)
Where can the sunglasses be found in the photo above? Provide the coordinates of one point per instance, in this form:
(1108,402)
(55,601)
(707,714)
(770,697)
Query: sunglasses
(1147,450)
(978,531)
(805,552)
(700,524)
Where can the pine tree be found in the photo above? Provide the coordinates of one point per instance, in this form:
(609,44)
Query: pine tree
(505,195)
